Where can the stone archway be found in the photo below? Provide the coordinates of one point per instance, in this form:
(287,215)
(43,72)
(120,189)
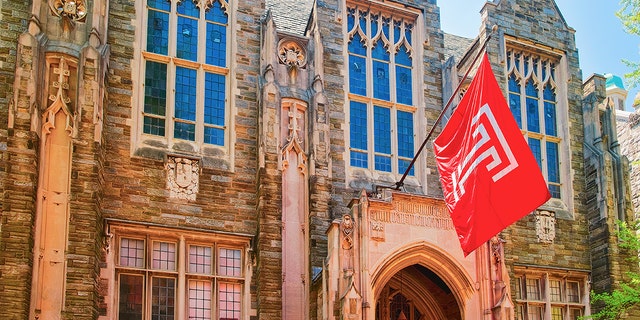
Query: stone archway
(423,281)
(417,293)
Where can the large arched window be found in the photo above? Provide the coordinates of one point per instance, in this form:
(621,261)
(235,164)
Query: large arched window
(532,98)
(381,95)
(185,72)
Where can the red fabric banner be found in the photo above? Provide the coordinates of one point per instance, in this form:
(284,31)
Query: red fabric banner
(489,176)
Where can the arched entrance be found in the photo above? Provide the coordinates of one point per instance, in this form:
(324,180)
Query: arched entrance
(416,293)
(421,281)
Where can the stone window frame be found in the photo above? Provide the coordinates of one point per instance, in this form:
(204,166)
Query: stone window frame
(156,146)
(548,306)
(563,206)
(181,274)
(407,15)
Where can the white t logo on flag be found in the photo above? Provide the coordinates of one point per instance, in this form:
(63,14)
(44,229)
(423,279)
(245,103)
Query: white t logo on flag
(483,149)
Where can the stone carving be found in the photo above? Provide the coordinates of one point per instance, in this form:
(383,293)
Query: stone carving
(76,10)
(347,230)
(377,230)
(182,177)
(545,226)
(291,53)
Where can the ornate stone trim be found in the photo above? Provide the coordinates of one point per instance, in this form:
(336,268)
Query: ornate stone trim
(182,177)
(347,229)
(545,226)
(291,53)
(76,10)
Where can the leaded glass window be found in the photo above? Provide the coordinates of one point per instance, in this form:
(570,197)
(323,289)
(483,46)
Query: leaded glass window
(185,71)
(149,288)
(543,293)
(533,103)
(381,94)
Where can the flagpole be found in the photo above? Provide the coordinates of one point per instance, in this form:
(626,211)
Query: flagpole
(400,183)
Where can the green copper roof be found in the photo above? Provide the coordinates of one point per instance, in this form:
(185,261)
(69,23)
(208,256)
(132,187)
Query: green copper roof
(614,81)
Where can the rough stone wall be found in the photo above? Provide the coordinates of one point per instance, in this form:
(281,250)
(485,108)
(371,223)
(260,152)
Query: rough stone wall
(540,23)
(135,186)
(607,193)
(18,166)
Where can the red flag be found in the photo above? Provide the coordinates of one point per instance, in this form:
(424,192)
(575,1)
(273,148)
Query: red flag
(489,176)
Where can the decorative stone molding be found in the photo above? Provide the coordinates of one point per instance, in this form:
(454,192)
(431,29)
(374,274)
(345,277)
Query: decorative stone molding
(347,230)
(75,10)
(182,177)
(292,54)
(545,226)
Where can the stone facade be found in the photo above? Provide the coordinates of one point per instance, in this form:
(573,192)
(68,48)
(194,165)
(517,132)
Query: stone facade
(95,208)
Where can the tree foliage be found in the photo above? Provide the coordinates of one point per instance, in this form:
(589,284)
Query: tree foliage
(627,296)
(629,15)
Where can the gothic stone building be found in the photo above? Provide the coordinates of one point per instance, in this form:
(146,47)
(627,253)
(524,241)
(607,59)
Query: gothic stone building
(225,159)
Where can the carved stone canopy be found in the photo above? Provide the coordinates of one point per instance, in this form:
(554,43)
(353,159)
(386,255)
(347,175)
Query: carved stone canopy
(292,53)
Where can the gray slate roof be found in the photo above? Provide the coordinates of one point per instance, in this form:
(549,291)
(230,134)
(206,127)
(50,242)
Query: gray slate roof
(290,15)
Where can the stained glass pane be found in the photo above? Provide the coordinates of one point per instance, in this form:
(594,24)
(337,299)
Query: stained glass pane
(356,46)
(229,262)
(514,105)
(557,313)
(553,164)
(199,300)
(214,99)
(200,259)
(402,57)
(382,163)
(163,298)
(357,75)
(407,32)
(216,45)
(188,8)
(159,4)
(533,117)
(358,134)
(533,289)
(185,131)
(164,256)
(214,136)
(536,149)
(381,88)
(405,134)
(132,253)
(351,19)
(186,83)
(404,85)
(130,297)
(555,293)
(155,88)
(379,52)
(153,126)
(573,291)
(187,38)
(216,13)
(382,129)
(158,32)
(229,301)
(374,24)
(405,141)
